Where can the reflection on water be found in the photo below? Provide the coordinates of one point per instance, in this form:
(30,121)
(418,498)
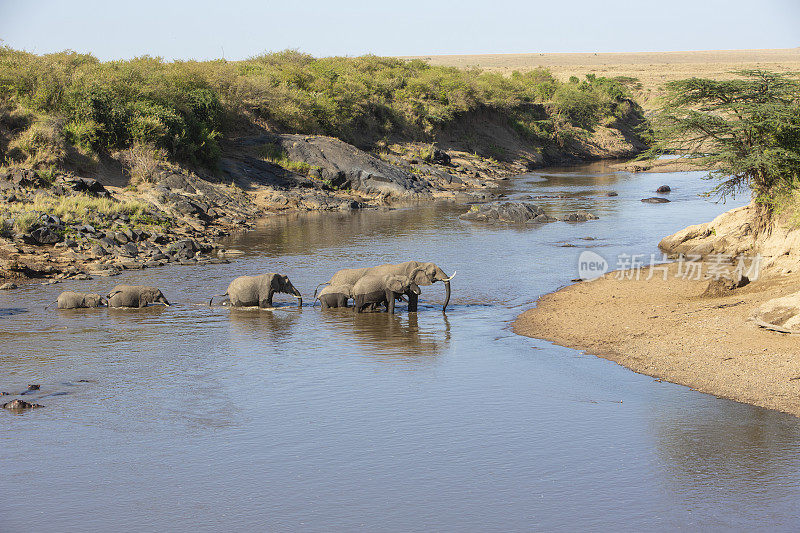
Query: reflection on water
(196,417)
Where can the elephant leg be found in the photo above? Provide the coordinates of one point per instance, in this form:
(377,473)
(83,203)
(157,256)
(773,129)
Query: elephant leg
(390,296)
(412,302)
(342,301)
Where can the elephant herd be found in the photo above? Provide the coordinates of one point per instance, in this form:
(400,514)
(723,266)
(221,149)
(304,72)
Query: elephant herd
(369,288)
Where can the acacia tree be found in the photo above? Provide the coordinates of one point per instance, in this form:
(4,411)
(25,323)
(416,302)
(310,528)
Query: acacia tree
(747,130)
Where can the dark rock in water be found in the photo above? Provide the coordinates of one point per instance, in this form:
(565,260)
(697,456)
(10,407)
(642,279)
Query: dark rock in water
(612,193)
(8,286)
(579,217)
(664,189)
(19,405)
(519,212)
(655,200)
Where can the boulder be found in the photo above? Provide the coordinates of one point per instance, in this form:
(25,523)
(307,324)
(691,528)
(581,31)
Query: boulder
(19,405)
(780,314)
(664,189)
(655,200)
(27,178)
(345,166)
(723,286)
(43,235)
(517,212)
(83,185)
(579,217)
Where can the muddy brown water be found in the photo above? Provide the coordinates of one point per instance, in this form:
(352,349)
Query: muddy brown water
(195,418)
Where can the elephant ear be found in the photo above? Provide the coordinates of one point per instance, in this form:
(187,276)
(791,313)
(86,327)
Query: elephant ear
(395,284)
(420,275)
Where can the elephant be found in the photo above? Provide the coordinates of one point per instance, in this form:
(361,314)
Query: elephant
(135,296)
(79,300)
(252,291)
(373,290)
(334,296)
(426,274)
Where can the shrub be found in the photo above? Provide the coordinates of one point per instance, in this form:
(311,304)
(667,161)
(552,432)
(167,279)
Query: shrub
(143,162)
(39,146)
(580,107)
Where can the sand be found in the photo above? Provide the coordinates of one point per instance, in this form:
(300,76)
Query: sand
(666,330)
(652,69)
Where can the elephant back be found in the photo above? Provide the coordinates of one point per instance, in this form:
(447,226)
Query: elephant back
(369,285)
(348,276)
(68,300)
(248,291)
(346,290)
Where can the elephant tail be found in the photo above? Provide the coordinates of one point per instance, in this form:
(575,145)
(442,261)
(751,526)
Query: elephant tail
(320,285)
(215,296)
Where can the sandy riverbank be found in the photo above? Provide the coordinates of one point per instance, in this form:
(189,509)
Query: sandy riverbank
(666,330)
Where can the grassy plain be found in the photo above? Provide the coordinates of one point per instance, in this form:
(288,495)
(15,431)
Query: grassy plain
(652,69)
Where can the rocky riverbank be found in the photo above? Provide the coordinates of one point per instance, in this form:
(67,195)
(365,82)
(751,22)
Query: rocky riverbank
(68,226)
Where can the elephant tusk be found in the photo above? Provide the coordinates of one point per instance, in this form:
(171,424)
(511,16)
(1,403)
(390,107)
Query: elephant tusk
(451,277)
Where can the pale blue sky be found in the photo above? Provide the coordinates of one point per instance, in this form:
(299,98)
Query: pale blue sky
(201,29)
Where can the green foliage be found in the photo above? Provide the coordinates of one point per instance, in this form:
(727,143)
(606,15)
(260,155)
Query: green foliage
(183,107)
(747,129)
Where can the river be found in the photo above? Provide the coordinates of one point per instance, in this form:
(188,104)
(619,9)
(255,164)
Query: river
(192,418)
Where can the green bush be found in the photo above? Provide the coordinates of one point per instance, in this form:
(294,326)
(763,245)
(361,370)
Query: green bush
(183,107)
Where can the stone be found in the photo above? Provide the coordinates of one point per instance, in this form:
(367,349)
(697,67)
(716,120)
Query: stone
(655,200)
(517,212)
(664,189)
(579,217)
(723,286)
(779,314)
(19,405)
(43,235)
(8,286)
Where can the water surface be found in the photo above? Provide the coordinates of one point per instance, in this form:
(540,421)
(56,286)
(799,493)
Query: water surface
(196,418)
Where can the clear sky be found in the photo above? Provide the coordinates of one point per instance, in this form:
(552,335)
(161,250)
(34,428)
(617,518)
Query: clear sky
(183,29)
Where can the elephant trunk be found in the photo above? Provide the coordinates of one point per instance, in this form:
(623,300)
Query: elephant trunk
(447,295)
(299,297)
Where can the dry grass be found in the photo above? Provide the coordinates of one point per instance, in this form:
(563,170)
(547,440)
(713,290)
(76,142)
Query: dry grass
(143,162)
(652,69)
(74,209)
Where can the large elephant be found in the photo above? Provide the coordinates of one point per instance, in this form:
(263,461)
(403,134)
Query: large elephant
(79,300)
(135,296)
(426,274)
(335,296)
(252,291)
(374,290)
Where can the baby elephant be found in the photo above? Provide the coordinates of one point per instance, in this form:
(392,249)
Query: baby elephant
(79,300)
(335,296)
(376,290)
(252,291)
(135,296)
